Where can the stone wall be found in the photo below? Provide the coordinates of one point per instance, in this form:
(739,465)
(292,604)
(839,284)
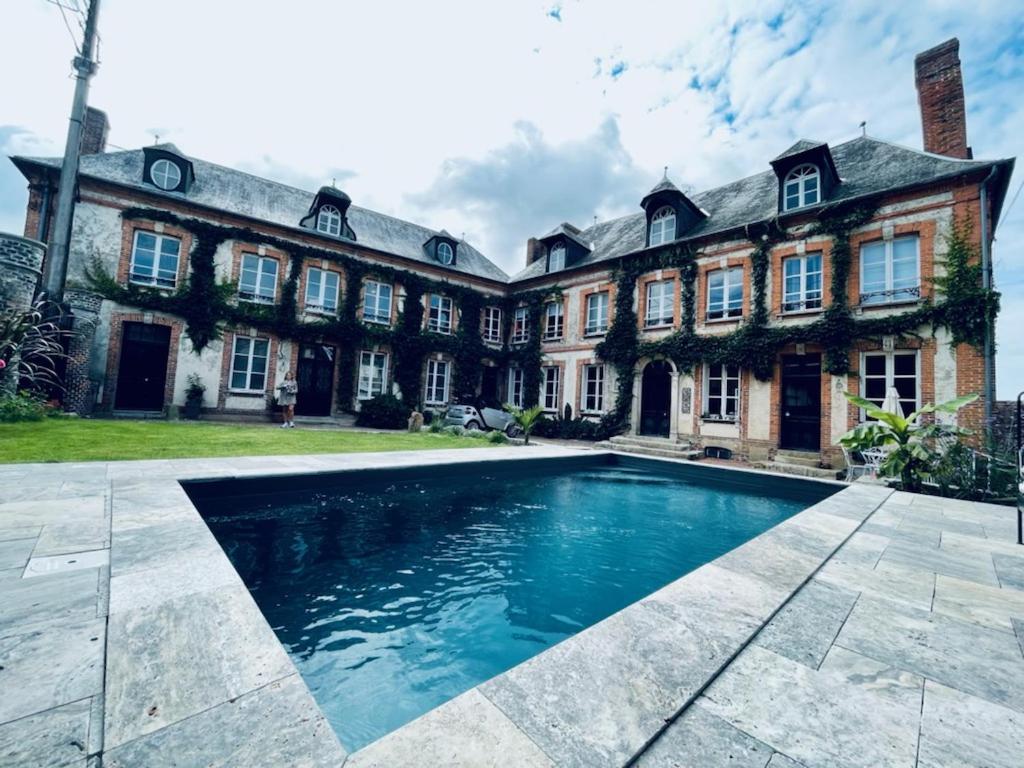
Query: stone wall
(21,265)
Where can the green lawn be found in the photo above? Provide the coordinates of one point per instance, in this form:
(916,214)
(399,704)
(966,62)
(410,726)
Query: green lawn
(111,440)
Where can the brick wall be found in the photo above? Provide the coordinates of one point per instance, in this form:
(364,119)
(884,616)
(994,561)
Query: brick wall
(21,264)
(940,94)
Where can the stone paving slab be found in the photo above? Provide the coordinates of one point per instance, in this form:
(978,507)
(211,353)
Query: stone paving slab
(941,561)
(53,598)
(806,627)
(979,603)
(51,739)
(962,731)
(699,738)
(75,561)
(15,553)
(894,583)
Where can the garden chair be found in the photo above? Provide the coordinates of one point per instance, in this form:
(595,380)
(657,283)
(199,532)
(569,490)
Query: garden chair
(854,469)
(873,458)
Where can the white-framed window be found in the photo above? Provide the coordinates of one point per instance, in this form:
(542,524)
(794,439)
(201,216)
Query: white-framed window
(445,254)
(801,282)
(373,374)
(889,271)
(593,388)
(155,260)
(721,392)
(597,313)
(556,257)
(377,302)
(663,226)
(554,320)
(660,298)
(165,174)
(258,279)
(881,370)
(725,293)
(492,325)
(551,376)
(328,220)
(515,387)
(521,325)
(322,289)
(802,187)
(437,382)
(249,358)
(439,315)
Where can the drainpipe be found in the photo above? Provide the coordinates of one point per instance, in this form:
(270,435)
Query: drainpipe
(986,282)
(44,213)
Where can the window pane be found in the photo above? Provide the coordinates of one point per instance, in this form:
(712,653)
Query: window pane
(874,365)
(904,365)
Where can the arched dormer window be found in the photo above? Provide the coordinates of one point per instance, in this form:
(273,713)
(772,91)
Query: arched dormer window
(556,257)
(802,187)
(165,174)
(663,226)
(445,254)
(328,220)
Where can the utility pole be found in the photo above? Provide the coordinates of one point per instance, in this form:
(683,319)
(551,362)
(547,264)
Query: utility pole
(55,271)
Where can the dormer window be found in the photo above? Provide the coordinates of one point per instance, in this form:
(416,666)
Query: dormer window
(328,220)
(802,187)
(445,254)
(556,258)
(165,174)
(663,226)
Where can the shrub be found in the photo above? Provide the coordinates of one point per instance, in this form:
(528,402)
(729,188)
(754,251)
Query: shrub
(455,430)
(23,406)
(477,434)
(571,429)
(384,412)
(436,426)
(498,438)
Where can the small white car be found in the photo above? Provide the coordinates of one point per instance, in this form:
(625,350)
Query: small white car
(481,415)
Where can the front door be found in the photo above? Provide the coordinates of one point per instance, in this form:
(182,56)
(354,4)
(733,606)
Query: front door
(655,399)
(142,371)
(489,385)
(315,377)
(801,402)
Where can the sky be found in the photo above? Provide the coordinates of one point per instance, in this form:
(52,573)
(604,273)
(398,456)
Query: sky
(497,121)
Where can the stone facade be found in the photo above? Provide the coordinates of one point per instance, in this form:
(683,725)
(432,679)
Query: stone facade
(21,266)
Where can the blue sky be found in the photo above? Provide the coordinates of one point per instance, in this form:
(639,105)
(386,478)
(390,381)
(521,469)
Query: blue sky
(501,121)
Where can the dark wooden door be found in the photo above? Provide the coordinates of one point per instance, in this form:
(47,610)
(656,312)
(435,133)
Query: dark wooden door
(142,371)
(801,402)
(489,385)
(315,377)
(655,399)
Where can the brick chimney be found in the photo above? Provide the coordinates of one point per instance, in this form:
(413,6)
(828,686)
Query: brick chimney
(94,132)
(532,251)
(940,94)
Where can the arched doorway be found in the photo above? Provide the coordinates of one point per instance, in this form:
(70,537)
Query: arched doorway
(656,399)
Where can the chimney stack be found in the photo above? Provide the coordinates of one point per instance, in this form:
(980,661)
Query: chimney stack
(94,132)
(940,94)
(532,251)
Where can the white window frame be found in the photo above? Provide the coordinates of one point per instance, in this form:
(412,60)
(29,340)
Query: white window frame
(726,373)
(258,296)
(438,380)
(554,321)
(554,263)
(250,369)
(158,255)
(550,399)
(521,325)
(328,220)
(663,226)
(445,253)
(319,302)
(515,387)
(369,386)
(593,397)
(439,314)
(165,166)
(659,319)
(598,304)
(380,313)
(802,300)
(889,294)
(729,308)
(890,377)
(800,179)
(492,325)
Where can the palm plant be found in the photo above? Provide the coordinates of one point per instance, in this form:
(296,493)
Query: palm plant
(910,443)
(526,419)
(30,346)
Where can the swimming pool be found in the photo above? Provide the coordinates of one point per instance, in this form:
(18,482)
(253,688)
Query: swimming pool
(395,591)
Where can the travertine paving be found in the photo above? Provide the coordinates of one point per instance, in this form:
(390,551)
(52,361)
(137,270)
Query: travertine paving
(873,629)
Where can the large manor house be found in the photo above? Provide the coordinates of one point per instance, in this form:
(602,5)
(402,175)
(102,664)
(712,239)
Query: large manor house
(708,317)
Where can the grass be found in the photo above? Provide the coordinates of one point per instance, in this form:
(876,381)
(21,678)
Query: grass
(55,440)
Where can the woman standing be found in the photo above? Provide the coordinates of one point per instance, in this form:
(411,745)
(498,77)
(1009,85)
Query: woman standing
(289,393)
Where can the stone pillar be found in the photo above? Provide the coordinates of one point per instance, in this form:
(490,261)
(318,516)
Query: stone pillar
(80,393)
(21,265)
(673,416)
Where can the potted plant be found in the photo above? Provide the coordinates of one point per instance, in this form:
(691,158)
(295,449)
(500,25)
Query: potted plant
(194,396)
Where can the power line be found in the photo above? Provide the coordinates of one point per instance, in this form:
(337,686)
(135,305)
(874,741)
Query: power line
(1009,208)
(61,7)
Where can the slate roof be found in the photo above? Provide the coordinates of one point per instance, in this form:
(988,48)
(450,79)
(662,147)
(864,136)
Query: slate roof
(867,166)
(801,146)
(241,193)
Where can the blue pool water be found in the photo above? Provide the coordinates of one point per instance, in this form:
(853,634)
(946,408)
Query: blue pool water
(394,597)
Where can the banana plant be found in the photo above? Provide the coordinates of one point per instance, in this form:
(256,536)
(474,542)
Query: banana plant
(526,420)
(909,443)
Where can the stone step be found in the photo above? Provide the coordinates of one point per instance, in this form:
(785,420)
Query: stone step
(799,470)
(802,458)
(653,442)
(688,454)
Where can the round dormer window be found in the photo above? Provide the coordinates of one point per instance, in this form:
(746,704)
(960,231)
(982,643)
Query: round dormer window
(445,254)
(165,174)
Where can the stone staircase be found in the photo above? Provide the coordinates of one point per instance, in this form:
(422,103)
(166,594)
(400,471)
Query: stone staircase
(802,463)
(662,447)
